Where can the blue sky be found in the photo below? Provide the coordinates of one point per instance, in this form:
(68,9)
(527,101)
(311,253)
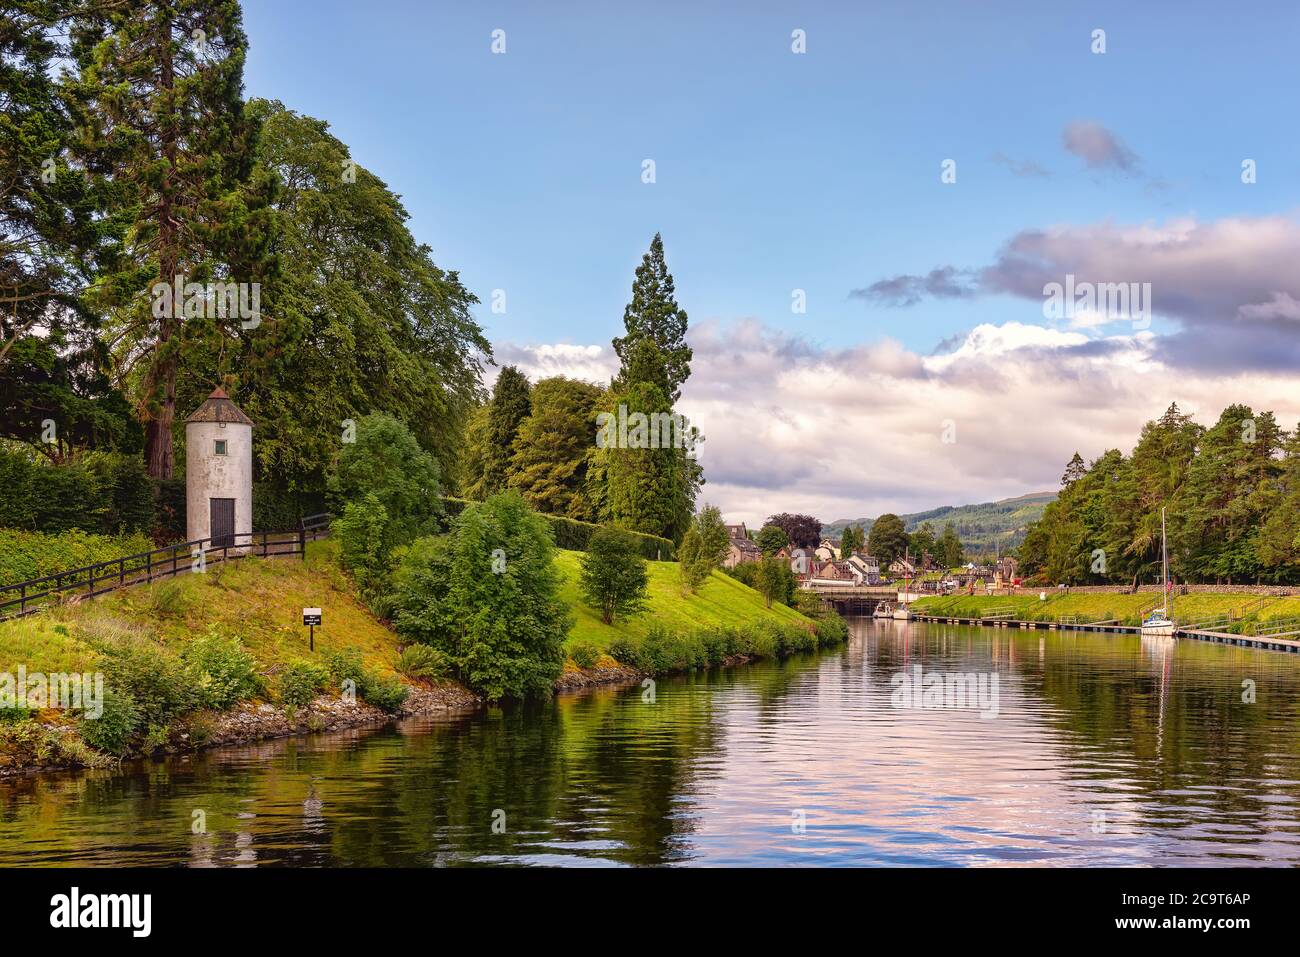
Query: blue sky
(775,171)
(821,172)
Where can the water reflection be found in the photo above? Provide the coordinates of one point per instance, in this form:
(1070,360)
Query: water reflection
(1106,750)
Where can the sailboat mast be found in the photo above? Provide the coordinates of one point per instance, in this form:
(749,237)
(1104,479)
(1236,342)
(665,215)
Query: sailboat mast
(1164,562)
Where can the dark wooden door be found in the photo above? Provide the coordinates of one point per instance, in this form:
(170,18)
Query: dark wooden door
(223,521)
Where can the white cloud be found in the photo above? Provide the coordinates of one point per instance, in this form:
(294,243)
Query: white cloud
(844,433)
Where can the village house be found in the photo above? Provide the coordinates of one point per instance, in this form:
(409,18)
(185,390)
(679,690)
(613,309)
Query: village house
(868,566)
(838,572)
(901,567)
(827,551)
(740,548)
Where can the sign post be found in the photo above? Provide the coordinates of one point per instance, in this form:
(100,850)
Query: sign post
(311,618)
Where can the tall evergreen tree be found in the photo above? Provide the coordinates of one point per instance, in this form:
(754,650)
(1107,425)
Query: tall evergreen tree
(511,405)
(653,314)
(951,553)
(550,456)
(156,91)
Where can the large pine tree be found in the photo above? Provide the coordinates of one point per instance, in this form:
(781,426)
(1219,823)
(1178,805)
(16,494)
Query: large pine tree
(653,314)
(511,405)
(156,87)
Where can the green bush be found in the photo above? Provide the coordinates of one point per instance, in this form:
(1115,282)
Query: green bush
(423,663)
(584,654)
(623,649)
(224,673)
(363,536)
(487,595)
(104,493)
(111,732)
(344,664)
(302,681)
(386,461)
(385,693)
(831,630)
(160,684)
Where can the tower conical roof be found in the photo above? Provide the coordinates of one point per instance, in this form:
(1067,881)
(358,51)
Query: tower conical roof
(218,407)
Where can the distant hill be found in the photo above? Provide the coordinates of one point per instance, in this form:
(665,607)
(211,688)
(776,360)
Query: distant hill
(979,526)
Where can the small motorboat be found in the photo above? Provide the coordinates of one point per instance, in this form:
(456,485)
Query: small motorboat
(882,610)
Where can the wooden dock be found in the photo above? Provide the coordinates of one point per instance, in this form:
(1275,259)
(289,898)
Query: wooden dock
(1265,642)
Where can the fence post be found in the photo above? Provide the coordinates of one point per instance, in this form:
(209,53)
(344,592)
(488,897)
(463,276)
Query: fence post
(148,568)
(302,541)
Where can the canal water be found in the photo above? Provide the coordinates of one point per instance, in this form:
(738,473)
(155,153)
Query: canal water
(1099,750)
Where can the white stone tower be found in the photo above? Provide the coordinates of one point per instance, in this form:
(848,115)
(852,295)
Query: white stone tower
(219,473)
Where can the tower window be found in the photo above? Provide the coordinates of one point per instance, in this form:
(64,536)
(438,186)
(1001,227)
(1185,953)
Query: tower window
(220,446)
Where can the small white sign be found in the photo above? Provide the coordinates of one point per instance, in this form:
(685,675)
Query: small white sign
(311,616)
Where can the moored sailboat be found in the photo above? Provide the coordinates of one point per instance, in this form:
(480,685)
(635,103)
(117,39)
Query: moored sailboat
(1160,622)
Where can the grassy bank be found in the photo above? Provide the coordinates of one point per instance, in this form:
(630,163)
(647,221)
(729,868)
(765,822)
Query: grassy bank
(721,601)
(185,653)
(1093,607)
(725,620)
(186,659)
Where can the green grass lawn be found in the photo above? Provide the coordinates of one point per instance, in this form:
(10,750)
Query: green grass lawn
(720,601)
(261,601)
(258,600)
(1100,607)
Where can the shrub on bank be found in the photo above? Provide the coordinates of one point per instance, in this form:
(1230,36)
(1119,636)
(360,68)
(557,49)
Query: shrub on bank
(302,681)
(222,671)
(423,663)
(111,732)
(584,654)
(345,666)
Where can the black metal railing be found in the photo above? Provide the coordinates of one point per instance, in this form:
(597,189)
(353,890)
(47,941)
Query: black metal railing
(27,597)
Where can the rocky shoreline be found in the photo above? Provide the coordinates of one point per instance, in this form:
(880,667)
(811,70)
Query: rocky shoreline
(251,721)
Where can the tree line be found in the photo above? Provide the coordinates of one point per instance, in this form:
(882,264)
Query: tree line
(1231,492)
(618,454)
(135,166)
